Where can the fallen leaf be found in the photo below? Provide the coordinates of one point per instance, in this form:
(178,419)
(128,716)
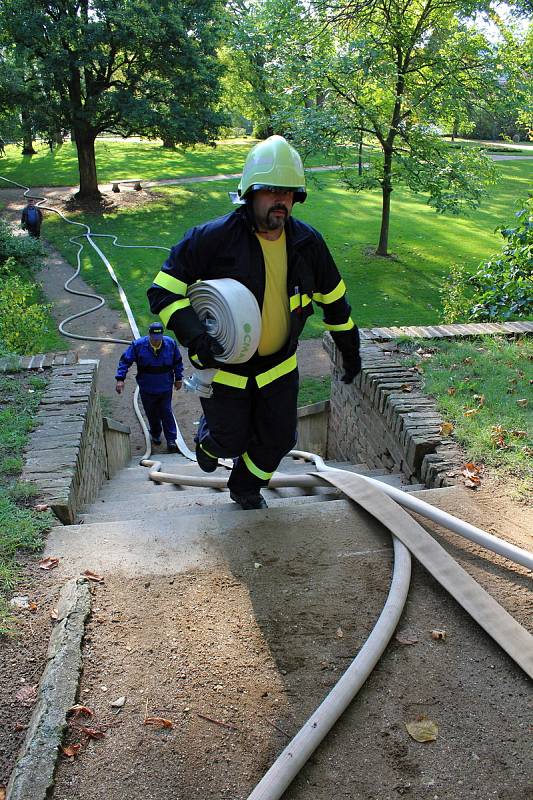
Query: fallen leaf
(80,711)
(92,733)
(158,722)
(450,474)
(438,634)
(19,727)
(54,615)
(519,434)
(339,633)
(468,360)
(446,429)
(470,484)
(92,576)
(118,703)
(257,565)
(2,793)
(479,399)
(27,695)
(32,607)
(51,562)
(471,412)
(452,390)
(41,507)
(406,387)
(71,750)
(523,402)
(404,637)
(422,730)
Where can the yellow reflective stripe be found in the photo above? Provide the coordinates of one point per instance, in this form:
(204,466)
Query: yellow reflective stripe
(295,301)
(196,360)
(330,297)
(305,300)
(229,379)
(259,473)
(167,312)
(206,451)
(166,281)
(346,326)
(276,372)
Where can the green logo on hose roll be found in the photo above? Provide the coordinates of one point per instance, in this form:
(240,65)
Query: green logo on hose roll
(246,339)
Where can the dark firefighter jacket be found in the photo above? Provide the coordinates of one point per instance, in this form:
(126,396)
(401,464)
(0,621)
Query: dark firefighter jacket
(156,370)
(227,247)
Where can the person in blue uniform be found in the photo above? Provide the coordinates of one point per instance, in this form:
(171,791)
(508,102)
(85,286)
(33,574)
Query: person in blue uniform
(159,371)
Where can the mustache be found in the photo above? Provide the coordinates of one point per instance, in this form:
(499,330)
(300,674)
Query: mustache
(278,207)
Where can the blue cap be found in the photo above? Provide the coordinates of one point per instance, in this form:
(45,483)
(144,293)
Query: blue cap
(156,329)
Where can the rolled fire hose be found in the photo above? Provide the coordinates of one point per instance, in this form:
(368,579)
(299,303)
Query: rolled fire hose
(231,315)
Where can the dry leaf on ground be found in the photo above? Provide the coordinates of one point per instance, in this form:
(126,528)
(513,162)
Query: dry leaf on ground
(405,637)
(92,576)
(41,507)
(407,387)
(422,730)
(2,793)
(71,750)
(446,429)
(27,695)
(92,733)
(438,634)
(523,402)
(158,722)
(51,562)
(81,711)
(118,703)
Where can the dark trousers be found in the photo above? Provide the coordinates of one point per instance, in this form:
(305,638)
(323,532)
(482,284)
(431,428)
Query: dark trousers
(158,409)
(256,427)
(35,232)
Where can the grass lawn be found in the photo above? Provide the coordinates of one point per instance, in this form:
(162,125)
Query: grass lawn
(123,160)
(21,528)
(403,290)
(483,387)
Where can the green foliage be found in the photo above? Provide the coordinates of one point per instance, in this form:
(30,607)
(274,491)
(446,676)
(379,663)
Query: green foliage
(21,528)
(501,288)
(24,253)
(22,321)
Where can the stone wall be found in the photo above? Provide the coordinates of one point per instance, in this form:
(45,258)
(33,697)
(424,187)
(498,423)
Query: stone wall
(117,445)
(65,457)
(313,428)
(386,421)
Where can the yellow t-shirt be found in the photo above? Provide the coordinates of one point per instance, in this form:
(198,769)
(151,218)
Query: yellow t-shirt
(275,312)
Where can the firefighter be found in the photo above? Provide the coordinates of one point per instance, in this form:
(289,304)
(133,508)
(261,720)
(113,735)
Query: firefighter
(252,413)
(32,218)
(159,371)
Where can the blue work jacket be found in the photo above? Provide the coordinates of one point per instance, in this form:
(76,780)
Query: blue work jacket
(156,369)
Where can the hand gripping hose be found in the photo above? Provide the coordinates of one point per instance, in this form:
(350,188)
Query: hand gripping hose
(231,315)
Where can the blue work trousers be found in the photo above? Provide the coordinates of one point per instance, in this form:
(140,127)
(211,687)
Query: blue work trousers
(158,409)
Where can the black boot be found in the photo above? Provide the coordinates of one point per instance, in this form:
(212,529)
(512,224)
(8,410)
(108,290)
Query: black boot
(249,500)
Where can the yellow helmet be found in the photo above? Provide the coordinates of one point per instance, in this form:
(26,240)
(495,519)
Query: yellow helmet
(273,162)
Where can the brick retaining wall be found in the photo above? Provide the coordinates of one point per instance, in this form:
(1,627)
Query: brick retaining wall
(386,421)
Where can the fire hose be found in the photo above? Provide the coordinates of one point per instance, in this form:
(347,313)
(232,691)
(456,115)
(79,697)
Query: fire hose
(222,322)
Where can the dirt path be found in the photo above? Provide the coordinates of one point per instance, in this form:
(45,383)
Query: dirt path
(259,648)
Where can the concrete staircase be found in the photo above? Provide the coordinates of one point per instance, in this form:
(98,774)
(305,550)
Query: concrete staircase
(136,526)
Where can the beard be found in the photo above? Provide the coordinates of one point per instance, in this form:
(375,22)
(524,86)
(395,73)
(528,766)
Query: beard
(271,222)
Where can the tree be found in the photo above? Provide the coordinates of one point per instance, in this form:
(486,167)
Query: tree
(391,70)
(127,67)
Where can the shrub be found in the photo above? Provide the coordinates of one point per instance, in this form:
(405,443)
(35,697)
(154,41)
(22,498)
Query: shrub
(22,321)
(501,288)
(22,252)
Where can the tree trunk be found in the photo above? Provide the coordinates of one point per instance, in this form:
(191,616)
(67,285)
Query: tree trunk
(27,135)
(170,143)
(87,166)
(386,189)
(360,155)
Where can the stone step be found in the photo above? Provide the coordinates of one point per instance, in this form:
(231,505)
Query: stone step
(195,504)
(164,544)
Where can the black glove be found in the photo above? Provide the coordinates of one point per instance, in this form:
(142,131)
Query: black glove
(207,349)
(351,364)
